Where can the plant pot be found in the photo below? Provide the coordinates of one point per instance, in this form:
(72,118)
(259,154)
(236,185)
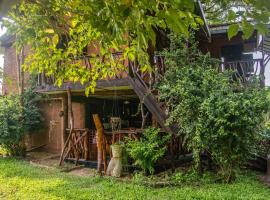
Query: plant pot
(115,166)
(117,150)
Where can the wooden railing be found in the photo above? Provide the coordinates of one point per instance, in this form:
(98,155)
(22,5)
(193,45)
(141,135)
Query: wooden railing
(78,144)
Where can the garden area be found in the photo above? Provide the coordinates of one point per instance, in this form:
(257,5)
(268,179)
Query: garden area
(224,125)
(131,103)
(20,180)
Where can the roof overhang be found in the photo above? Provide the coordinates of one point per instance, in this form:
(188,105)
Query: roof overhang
(205,27)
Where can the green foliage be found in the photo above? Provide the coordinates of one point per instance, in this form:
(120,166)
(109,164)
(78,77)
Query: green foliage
(61,29)
(146,151)
(215,113)
(248,14)
(31,112)
(264,142)
(17,120)
(11,132)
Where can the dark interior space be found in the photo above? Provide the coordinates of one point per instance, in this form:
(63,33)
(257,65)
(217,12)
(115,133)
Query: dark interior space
(127,108)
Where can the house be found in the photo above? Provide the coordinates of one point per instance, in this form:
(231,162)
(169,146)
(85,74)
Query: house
(121,96)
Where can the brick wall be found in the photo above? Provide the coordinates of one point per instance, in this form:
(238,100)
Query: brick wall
(10,79)
(10,82)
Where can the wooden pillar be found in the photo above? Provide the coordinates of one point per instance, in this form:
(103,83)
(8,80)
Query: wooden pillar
(64,117)
(100,144)
(70,112)
(86,146)
(62,157)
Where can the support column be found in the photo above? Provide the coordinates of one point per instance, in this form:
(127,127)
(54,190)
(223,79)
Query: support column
(64,118)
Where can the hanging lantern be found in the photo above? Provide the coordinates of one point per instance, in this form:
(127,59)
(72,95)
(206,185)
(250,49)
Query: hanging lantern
(126,102)
(115,123)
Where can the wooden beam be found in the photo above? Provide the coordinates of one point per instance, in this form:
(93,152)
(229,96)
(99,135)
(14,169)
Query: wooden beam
(70,111)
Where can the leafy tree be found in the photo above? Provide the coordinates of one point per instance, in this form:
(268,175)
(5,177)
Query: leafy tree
(246,14)
(61,29)
(215,113)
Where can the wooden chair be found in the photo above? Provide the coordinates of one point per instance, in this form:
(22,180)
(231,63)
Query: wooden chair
(101,144)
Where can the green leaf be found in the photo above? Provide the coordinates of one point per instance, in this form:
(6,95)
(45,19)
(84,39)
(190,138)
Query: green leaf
(248,29)
(231,15)
(55,39)
(233,30)
(262,28)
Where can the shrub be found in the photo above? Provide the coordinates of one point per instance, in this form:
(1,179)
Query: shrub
(215,113)
(146,151)
(16,120)
(11,132)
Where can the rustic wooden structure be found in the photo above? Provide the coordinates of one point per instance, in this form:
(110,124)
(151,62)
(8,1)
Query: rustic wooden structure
(77,145)
(245,69)
(101,144)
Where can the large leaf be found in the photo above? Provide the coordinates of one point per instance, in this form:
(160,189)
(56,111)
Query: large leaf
(233,30)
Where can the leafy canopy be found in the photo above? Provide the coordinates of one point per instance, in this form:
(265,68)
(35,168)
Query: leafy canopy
(248,14)
(110,26)
(59,30)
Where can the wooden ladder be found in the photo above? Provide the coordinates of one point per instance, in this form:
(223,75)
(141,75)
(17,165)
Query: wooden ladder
(148,98)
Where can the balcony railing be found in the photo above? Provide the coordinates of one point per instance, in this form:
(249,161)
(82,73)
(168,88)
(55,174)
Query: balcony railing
(245,70)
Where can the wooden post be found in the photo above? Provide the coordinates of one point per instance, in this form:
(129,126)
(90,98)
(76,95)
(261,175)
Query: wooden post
(71,125)
(100,144)
(86,146)
(70,112)
(64,118)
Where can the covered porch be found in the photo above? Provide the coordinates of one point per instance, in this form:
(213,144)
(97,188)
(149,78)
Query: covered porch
(117,111)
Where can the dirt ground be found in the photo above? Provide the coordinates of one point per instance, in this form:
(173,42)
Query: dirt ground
(51,161)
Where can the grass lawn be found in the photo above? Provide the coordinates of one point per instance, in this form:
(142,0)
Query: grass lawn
(19,180)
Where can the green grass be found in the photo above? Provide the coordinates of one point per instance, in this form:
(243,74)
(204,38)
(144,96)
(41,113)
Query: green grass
(20,180)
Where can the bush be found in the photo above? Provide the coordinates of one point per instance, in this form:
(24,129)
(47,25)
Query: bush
(146,151)
(216,114)
(11,133)
(16,121)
